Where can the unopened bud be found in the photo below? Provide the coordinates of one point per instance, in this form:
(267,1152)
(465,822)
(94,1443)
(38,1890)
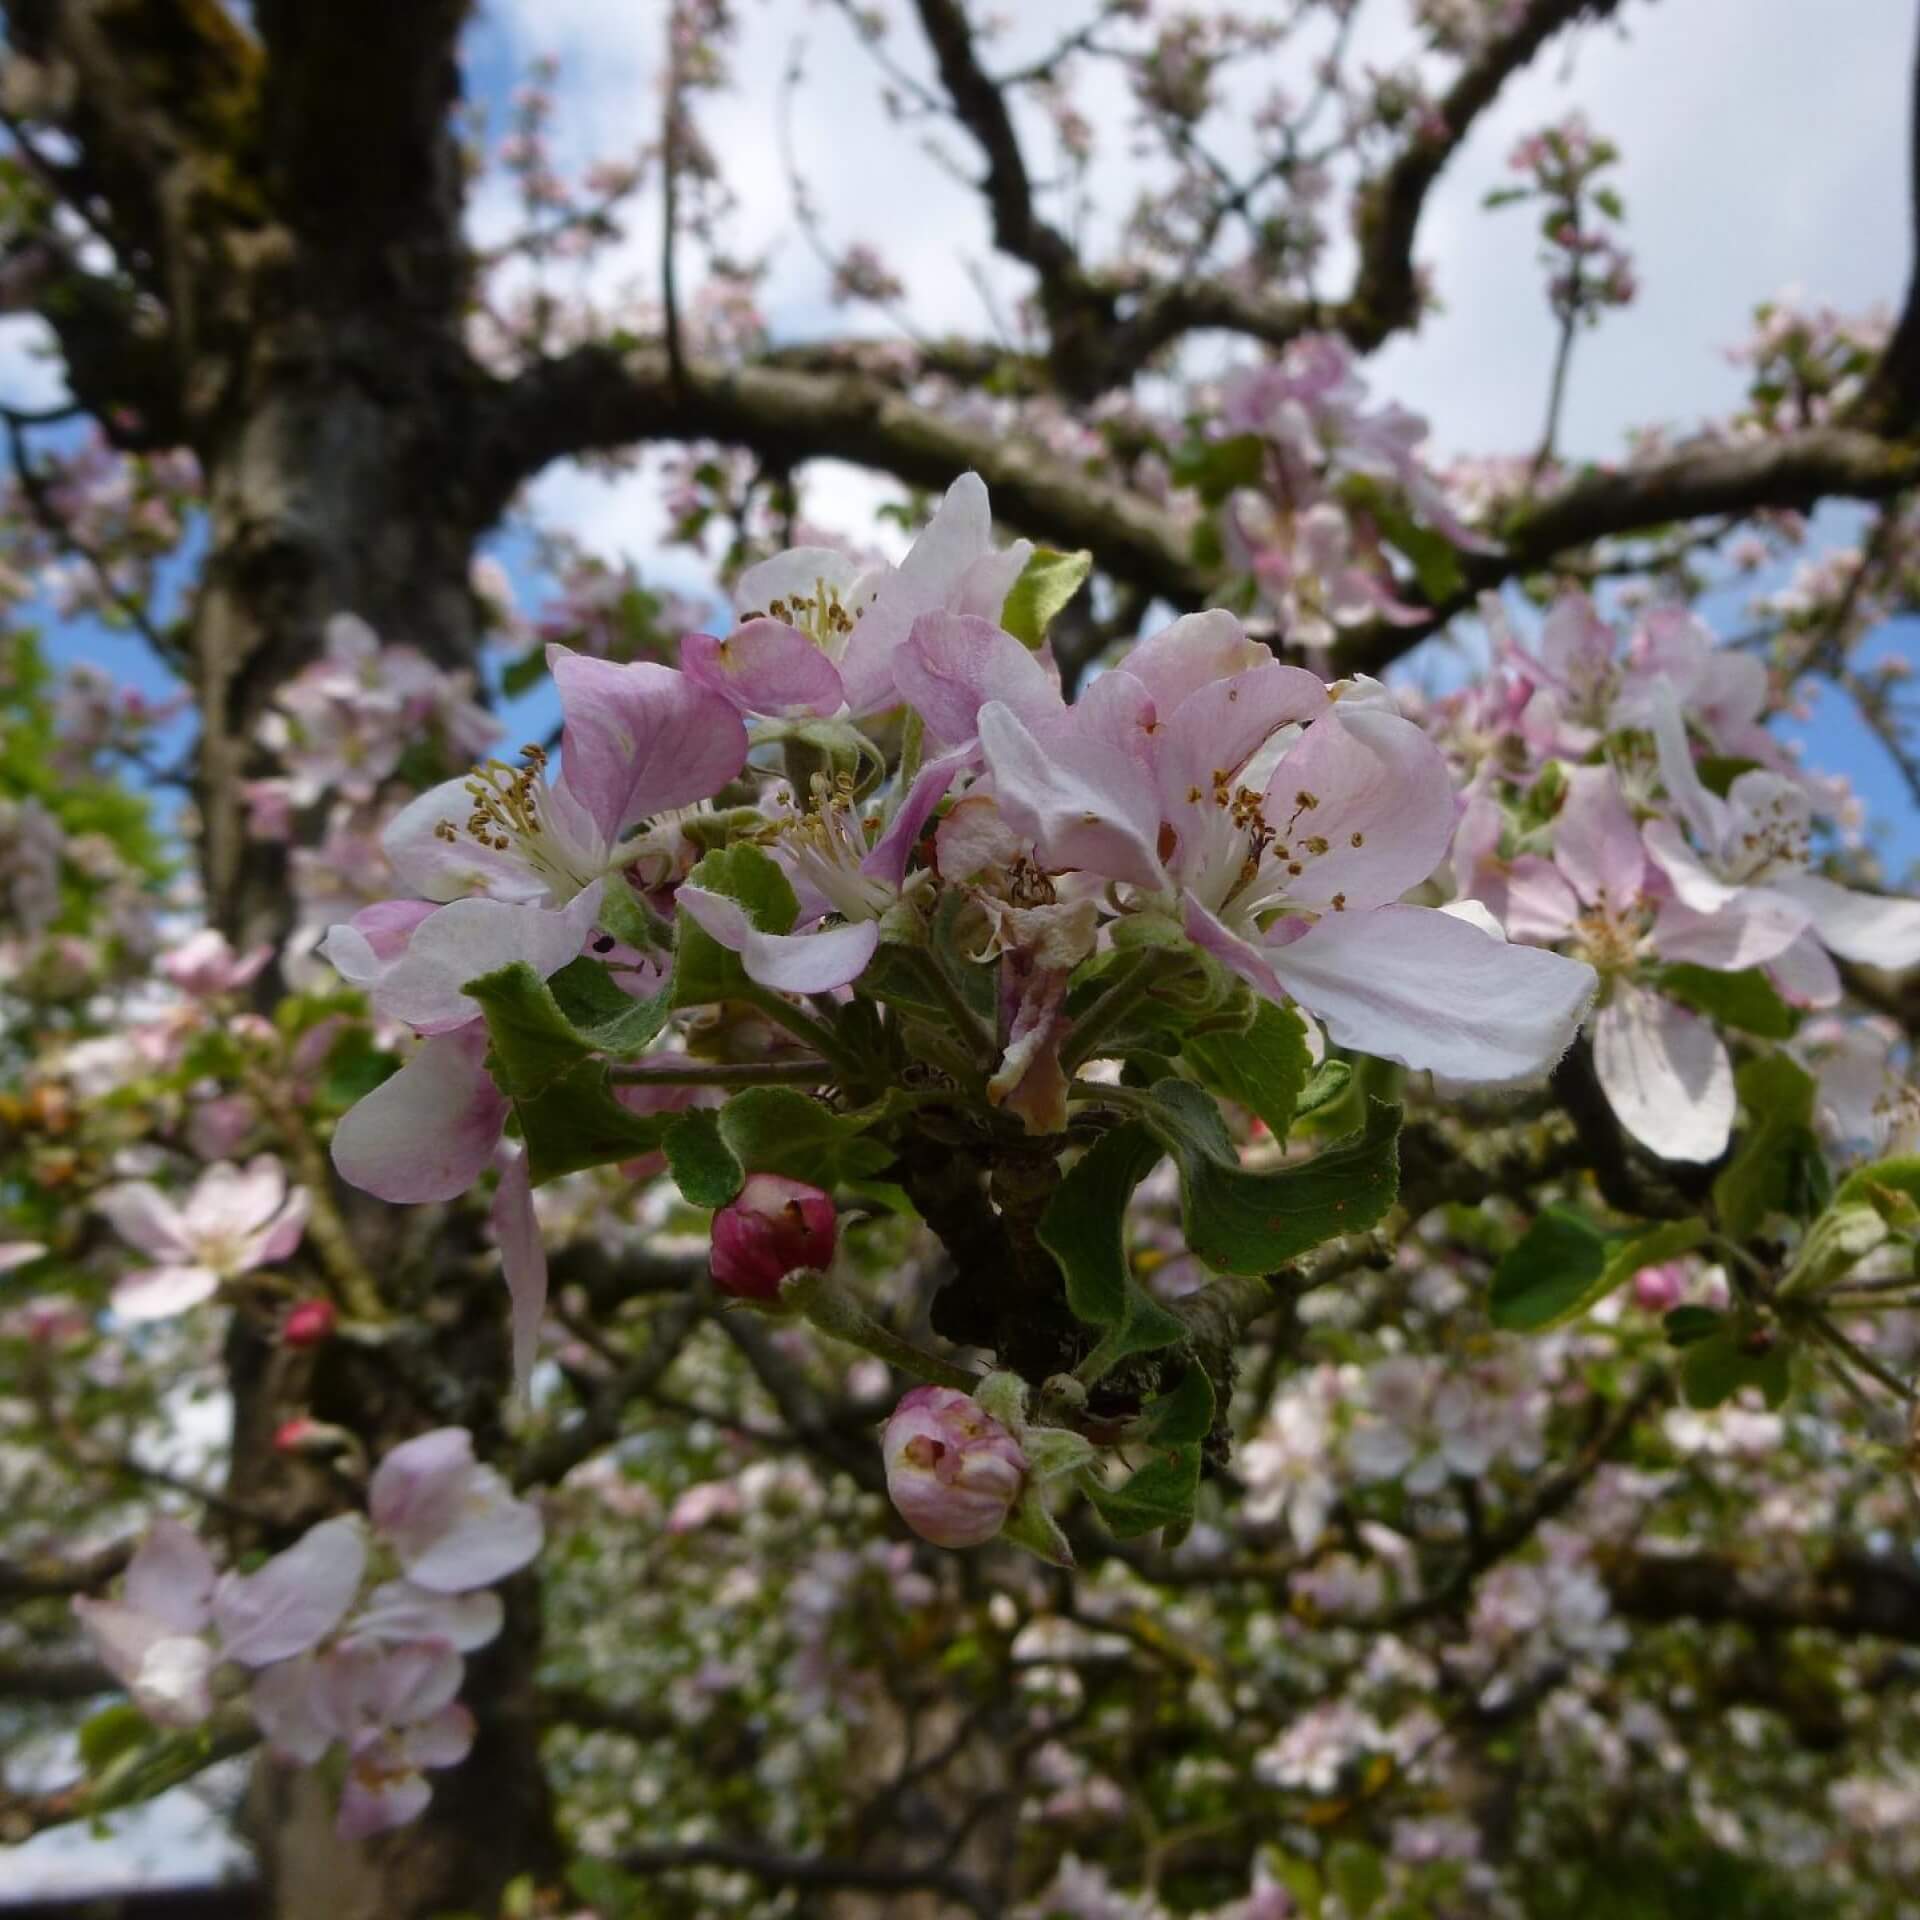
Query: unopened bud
(953,1471)
(310,1323)
(1660,1289)
(771,1228)
(295,1435)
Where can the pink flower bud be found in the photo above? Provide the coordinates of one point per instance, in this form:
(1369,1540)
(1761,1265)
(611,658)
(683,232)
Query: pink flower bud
(771,1228)
(1660,1289)
(952,1469)
(295,1435)
(309,1323)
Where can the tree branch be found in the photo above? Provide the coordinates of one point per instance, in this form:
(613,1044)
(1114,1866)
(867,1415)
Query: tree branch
(1853,1592)
(596,397)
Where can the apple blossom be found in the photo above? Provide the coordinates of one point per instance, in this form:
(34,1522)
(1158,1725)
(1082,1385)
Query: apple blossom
(233,1221)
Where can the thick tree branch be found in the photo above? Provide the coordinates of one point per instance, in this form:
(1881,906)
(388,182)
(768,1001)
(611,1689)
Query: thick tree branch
(599,398)
(1853,1592)
(1692,483)
(42,1577)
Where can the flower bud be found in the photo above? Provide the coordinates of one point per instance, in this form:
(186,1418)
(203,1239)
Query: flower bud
(771,1228)
(1660,1289)
(309,1323)
(952,1469)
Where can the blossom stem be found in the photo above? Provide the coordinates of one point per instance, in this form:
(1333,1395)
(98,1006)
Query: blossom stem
(834,1311)
(1126,992)
(816,1033)
(966,1023)
(759,1073)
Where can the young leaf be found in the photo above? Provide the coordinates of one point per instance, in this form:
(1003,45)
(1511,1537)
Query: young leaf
(1779,1167)
(701,1162)
(1263,1069)
(1747,1000)
(1553,1272)
(1047,583)
(782,1130)
(1239,1221)
(1715,1369)
(575,1122)
(541,1029)
(1084,1228)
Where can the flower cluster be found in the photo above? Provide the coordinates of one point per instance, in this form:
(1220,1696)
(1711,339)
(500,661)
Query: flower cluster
(354,1637)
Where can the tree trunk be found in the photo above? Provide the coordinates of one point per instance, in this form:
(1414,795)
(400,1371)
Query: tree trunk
(333,483)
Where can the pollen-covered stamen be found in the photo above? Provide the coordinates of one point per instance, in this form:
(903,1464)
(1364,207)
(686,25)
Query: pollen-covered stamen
(1609,942)
(820,615)
(514,812)
(826,844)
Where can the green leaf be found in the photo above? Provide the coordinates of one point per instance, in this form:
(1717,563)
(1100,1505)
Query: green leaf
(1030,1525)
(1686,1325)
(354,1067)
(702,1164)
(782,1130)
(1184,1412)
(1263,1069)
(1327,1085)
(1564,1265)
(630,920)
(612,1893)
(1718,771)
(534,1042)
(1779,1167)
(114,1730)
(1220,467)
(575,1121)
(1049,580)
(1084,1228)
(1239,1221)
(601,1013)
(1713,1370)
(1555,1272)
(1159,1493)
(518,675)
(1746,1000)
(703,969)
(1890,1187)
(1356,1875)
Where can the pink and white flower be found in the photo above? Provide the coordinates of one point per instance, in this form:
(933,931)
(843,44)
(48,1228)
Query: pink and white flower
(234,1221)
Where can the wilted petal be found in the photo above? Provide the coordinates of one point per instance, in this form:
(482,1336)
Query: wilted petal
(428,1133)
(1866,927)
(296,1599)
(1665,1074)
(641,738)
(523,1260)
(765,667)
(1429,990)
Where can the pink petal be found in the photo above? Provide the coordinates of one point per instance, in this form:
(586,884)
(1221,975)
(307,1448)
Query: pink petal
(1866,927)
(157,1293)
(1804,974)
(171,1578)
(377,1803)
(281,1701)
(398,1611)
(1220,726)
(1082,802)
(442,869)
(641,738)
(765,667)
(523,1260)
(1429,990)
(1665,1074)
(1539,905)
(1595,842)
(1374,778)
(428,1133)
(145,1218)
(296,1599)
(888,858)
(1757,925)
(1194,651)
(953,664)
